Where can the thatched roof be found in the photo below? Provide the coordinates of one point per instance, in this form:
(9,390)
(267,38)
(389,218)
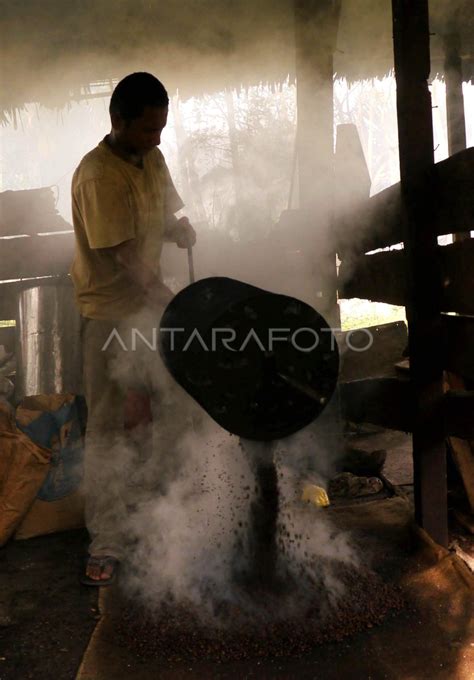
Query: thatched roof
(53,51)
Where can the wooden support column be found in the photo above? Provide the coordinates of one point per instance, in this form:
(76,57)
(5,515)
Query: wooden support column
(415,136)
(456,120)
(315,39)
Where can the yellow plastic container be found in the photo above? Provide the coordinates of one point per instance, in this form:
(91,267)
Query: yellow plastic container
(315,495)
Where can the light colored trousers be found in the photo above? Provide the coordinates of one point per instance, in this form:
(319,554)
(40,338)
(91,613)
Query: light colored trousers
(122,469)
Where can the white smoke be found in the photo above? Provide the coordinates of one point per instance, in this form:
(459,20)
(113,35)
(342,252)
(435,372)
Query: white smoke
(189,492)
(191,535)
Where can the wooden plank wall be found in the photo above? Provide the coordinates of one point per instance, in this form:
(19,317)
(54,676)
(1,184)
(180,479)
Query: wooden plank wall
(428,279)
(378,223)
(382,277)
(388,402)
(36,256)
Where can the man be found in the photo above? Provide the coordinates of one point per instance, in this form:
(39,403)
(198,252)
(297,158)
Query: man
(124,205)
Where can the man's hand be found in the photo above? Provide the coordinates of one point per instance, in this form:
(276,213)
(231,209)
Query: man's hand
(183,233)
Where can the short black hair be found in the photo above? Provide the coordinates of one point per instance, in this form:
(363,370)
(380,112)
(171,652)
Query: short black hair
(136,91)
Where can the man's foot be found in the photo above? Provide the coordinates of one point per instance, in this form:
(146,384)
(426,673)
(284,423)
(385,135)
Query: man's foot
(100,571)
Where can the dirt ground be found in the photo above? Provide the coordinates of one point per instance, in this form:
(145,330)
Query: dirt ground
(52,628)
(433,638)
(46,616)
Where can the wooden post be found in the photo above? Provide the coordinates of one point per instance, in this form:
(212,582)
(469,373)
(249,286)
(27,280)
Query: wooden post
(454,102)
(315,37)
(415,135)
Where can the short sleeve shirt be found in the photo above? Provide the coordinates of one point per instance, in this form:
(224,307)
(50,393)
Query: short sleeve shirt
(114,201)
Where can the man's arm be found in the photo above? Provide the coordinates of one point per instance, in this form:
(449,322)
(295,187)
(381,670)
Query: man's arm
(140,273)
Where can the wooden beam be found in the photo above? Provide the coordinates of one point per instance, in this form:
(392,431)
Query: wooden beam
(454,194)
(382,277)
(36,256)
(415,136)
(372,352)
(378,223)
(381,401)
(459,413)
(457,266)
(462,451)
(458,345)
(389,402)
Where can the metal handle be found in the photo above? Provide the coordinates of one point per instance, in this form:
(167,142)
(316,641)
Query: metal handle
(191,264)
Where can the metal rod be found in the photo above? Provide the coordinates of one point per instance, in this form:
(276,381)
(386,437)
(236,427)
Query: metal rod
(304,389)
(191,264)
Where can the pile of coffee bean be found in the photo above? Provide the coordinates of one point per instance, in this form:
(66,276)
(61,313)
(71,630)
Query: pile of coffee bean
(272,625)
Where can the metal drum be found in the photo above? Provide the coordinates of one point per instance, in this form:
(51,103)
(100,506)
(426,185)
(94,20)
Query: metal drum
(274,377)
(48,342)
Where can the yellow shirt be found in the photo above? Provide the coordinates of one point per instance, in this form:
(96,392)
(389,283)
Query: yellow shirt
(113,201)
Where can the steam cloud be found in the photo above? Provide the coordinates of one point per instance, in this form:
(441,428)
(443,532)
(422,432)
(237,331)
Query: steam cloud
(190,488)
(191,537)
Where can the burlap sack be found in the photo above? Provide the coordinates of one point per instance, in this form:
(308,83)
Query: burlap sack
(52,421)
(23,469)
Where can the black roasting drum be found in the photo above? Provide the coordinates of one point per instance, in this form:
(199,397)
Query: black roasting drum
(262,365)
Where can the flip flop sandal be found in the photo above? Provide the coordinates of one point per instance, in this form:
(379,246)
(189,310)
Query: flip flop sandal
(101,562)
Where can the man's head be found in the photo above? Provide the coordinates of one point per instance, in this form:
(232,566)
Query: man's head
(138,111)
